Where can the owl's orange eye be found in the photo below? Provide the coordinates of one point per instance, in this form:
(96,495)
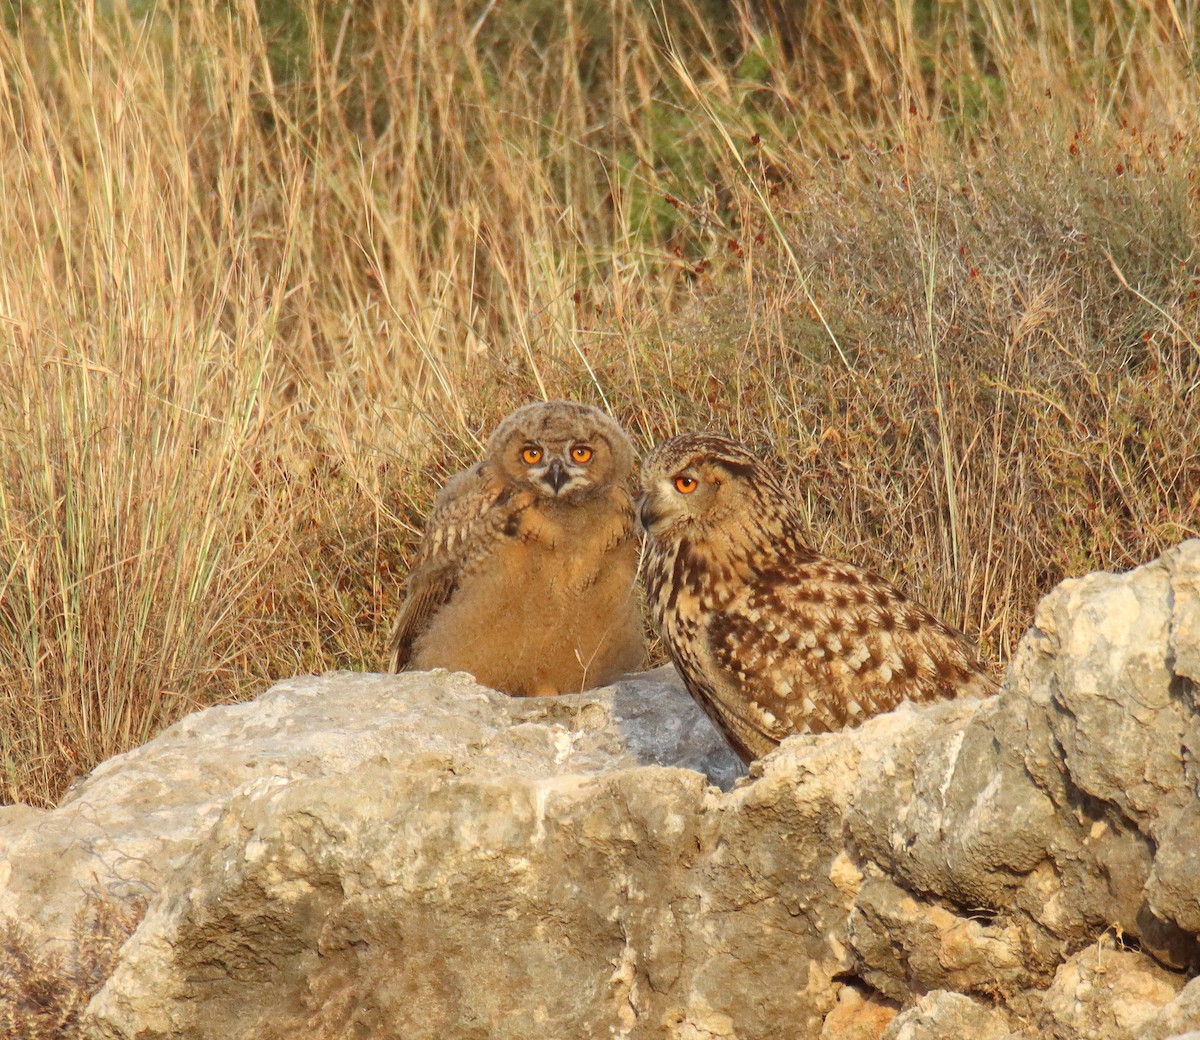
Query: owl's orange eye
(530,455)
(685,485)
(581,453)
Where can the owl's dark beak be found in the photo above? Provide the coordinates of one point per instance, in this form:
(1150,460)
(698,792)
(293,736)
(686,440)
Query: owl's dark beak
(557,476)
(645,514)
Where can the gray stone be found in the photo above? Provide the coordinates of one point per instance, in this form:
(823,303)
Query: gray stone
(413,856)
(136,819)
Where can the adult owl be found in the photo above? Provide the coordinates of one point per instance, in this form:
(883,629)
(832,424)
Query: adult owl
(770,637)
(525,574)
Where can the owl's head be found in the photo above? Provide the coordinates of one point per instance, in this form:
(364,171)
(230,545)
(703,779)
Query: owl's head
(700,483)
(561,449)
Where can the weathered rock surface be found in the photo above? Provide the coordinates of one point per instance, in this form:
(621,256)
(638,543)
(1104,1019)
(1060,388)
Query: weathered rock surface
(392,856)
(137,818)
(943,1014)
(1102,991)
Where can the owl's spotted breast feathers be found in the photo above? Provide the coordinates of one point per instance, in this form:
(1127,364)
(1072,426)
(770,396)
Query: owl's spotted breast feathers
(771,637)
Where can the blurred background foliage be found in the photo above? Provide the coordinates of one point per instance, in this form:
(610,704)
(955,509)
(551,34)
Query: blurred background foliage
(273,270)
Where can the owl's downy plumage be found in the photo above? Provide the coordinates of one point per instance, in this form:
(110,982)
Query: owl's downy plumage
(525,574)
(771,637)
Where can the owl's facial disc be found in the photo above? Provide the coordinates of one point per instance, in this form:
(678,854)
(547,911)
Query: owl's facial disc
(558,470)
(674,497)
(695,483)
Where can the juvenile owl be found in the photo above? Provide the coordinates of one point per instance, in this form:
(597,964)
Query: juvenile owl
(771,637)
(525,574)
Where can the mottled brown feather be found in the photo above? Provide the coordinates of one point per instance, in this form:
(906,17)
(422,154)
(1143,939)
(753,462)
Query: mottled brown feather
(467,517)
(770,637)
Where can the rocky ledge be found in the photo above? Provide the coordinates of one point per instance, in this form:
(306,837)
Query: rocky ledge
(414,856)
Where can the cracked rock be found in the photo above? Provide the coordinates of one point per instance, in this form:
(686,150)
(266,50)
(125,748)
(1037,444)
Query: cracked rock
(414,856)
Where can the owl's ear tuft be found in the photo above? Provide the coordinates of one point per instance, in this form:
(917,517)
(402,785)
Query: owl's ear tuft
(736,469)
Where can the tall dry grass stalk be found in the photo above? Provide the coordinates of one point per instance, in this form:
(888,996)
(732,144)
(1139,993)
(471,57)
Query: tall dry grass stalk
(271,270)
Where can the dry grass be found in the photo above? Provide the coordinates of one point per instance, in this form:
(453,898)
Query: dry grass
(272,270)
(45,990)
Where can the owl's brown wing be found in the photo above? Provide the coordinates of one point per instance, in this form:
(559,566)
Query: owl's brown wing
(815,645)
(468,515)
(427,594)
(740,715)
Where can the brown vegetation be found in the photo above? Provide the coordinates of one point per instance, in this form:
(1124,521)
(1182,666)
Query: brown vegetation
(272,270)
(44,990)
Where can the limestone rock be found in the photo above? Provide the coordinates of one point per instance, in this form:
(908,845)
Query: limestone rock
(419,904)
(1067,804)
(901,940)
(137,818)
(942,1015)
(859,1014)
(1179,1019)
(1107,994)
(1172,892)
(412,856)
